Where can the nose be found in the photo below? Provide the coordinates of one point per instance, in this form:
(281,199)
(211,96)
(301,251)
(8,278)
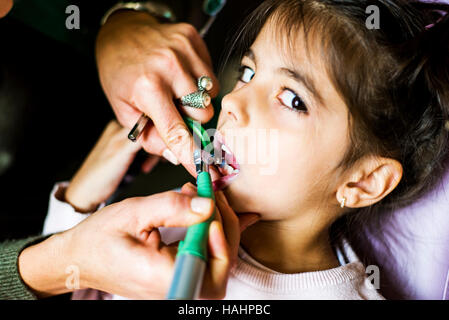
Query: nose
(234,107)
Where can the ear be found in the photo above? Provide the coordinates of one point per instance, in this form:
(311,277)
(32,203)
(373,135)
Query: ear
(372,180)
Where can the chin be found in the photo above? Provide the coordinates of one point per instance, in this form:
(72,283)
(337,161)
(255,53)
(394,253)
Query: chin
(240,199)
(236,199)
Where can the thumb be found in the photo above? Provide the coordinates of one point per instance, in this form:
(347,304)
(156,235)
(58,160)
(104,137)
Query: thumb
(167,209)
(216,277)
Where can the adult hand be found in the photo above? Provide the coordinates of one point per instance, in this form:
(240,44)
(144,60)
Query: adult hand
(143,65)
(118,249)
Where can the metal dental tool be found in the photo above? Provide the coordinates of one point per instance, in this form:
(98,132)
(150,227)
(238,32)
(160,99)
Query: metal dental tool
(211,8)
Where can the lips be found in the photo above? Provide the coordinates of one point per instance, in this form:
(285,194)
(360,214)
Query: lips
(224,174)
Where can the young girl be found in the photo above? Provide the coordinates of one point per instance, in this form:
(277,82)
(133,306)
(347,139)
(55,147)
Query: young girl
(360,117)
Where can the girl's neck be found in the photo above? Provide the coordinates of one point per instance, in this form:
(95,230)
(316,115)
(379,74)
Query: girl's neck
(287,247)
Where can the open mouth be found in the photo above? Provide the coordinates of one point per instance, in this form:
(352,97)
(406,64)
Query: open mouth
(226,167)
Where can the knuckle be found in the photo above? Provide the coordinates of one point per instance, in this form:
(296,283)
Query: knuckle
(175,200)
(145,83)
(181,40)
(188,29)
(170,60)
(177,135)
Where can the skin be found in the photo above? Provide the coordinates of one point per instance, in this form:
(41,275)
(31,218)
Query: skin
(143,65)
(300,201)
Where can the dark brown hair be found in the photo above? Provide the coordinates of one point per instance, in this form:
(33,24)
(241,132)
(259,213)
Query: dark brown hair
(394,80)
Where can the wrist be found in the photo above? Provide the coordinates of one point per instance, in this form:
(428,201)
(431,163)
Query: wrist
(78,201)
(43,267)
(126,15)
(157,10)
(120,26)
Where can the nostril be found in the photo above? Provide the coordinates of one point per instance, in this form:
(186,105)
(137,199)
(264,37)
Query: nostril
(232,115)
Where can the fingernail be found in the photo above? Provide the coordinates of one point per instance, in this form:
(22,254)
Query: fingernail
(201,205)
(167,154)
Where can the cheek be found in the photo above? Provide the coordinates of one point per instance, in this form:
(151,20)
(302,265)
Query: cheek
(220,118)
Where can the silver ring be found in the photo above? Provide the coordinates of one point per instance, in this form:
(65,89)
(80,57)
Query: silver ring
(199,99)
(205,83)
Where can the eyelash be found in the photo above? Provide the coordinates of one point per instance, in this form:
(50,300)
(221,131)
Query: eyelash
(242,68)
(303,109)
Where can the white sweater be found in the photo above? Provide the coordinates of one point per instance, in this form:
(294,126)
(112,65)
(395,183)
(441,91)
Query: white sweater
(249,279)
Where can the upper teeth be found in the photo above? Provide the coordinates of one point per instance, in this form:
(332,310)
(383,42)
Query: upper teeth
(226,149)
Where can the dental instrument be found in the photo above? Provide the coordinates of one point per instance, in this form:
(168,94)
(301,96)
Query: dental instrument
(191,258)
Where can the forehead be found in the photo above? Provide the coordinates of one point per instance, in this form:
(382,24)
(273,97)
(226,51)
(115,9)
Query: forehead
(288,50)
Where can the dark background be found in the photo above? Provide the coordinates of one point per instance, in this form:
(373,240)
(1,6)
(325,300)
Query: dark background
(52,110)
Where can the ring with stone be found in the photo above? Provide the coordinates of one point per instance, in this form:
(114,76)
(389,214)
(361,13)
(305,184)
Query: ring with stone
(199,99)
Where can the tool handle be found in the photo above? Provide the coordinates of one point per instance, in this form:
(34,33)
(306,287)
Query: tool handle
(187,278)
(191,258)
(195,241)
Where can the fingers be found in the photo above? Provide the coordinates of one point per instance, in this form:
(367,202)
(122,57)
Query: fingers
(197,65)
(154,239)
(150,162)
(189,189)
(168,209)
(185,82)
(198,43)
(152,142)
(230,225)
(247,219)
(214,286)
(156,101)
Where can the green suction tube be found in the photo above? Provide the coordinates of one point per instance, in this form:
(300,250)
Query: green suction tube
(195,241)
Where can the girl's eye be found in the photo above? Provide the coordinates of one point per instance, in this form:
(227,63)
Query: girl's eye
(292,100)
(246,74)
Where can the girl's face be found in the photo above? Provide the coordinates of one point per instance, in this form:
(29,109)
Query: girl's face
(293,127)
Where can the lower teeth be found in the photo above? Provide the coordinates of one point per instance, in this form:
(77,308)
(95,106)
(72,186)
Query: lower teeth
(228,169)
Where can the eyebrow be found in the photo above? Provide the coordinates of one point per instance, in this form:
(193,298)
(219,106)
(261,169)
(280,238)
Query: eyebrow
(303,79)
(250,54)
(295,75)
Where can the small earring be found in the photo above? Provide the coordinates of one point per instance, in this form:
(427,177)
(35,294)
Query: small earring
(342,202)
